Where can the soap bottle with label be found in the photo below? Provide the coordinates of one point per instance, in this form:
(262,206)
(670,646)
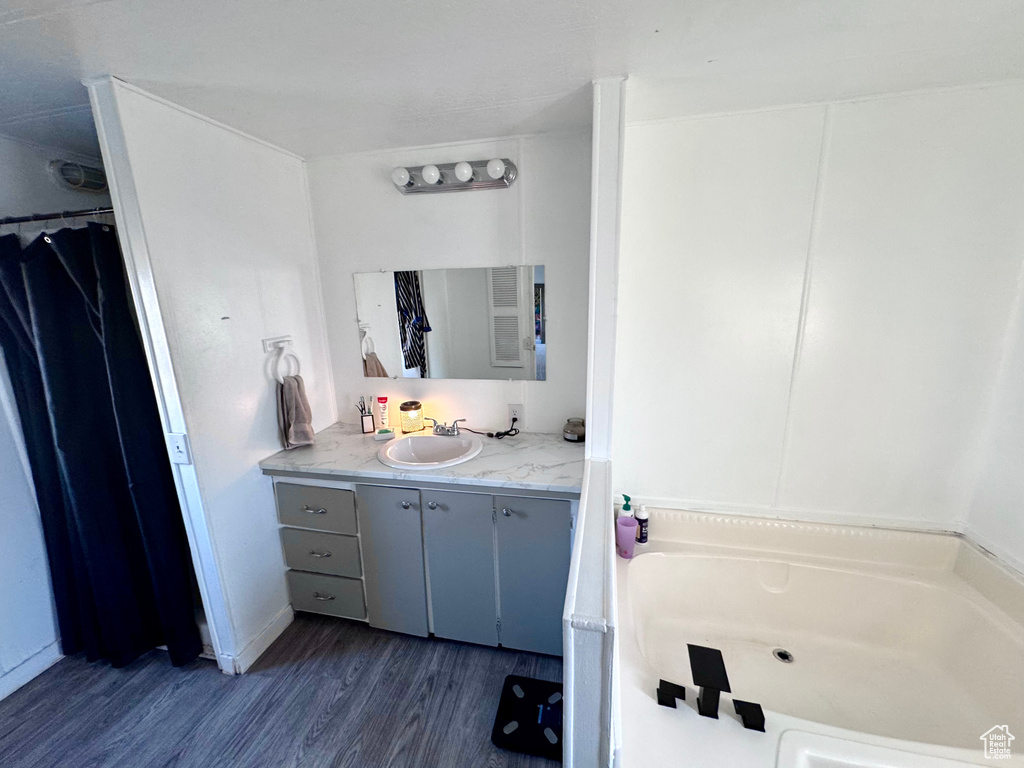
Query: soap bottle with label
(641,524)
(625,510)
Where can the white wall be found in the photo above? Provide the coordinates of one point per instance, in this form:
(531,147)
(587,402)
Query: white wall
(363,224)
(813,302)
(710,275)
(919,243)
(228,232)
(468,335)
(28,630)
(440,357)
(996,516)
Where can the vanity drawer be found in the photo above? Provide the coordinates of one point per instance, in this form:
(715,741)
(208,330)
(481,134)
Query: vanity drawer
(320,552)
(322,509)
(333,595)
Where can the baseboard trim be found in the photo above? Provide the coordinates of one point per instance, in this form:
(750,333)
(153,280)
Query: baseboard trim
(29,669)
(238,664)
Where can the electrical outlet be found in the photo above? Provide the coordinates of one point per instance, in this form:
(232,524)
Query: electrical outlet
(517,411)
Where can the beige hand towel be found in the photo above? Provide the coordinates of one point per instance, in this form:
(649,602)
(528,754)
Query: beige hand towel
(372,366)
(293,413)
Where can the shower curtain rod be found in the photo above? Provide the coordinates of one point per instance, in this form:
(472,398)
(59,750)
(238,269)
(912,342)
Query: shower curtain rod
(61,215)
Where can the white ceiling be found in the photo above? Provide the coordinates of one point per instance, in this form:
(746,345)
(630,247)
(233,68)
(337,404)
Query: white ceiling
(326,76)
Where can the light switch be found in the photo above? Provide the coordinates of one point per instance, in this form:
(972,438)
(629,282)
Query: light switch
(177,444)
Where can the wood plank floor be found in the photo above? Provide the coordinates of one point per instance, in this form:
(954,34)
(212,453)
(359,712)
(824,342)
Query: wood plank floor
(329,692)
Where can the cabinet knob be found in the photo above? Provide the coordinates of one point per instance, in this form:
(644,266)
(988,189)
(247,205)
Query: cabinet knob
(506,512)
(406,505)
(312,511)
(314,553)
(431,505)
(318,596)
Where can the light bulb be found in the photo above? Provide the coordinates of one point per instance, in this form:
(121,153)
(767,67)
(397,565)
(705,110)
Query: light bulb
(495,168)
(430,174)
(463,171)
(400,176)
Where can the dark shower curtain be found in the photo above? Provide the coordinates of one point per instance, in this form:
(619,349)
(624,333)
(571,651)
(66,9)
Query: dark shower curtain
(115,539)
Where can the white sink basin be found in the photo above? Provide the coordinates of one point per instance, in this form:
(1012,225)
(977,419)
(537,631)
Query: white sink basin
(429,451)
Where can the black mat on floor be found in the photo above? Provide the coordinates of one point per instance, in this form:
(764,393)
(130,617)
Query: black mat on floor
(529,718)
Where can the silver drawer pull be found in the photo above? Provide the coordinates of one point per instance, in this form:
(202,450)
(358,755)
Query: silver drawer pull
(432,505)
(314,553)
(325,598)
(406,505)
(506,512)
(307,508)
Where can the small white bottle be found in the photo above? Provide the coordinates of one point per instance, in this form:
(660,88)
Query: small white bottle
(382,409)
(641,524)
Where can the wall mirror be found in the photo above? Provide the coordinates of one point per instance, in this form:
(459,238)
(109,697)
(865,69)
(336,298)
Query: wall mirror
(476,323)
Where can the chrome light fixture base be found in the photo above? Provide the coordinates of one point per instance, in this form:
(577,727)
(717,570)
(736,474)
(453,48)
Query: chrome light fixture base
(449,183)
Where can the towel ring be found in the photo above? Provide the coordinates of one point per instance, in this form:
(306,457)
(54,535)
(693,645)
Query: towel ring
(367,345)
(285,356)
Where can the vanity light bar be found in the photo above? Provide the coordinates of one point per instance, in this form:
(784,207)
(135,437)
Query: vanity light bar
(497,173)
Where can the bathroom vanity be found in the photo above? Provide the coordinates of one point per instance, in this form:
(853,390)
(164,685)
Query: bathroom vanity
(477,552)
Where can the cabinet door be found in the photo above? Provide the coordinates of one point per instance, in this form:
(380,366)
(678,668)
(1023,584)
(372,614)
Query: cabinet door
(458,539)
(392,538)
(533,571)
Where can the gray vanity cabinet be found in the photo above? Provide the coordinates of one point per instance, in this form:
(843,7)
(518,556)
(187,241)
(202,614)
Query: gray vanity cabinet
(392,539)
(533,538)
(458,539)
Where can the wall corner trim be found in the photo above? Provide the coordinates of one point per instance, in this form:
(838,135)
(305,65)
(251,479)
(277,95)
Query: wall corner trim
(259,644)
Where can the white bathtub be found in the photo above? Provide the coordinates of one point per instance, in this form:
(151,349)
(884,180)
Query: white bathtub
(907,647)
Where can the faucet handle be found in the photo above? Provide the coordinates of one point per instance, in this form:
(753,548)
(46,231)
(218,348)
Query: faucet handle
(455,426)
(709,675)
(432,421)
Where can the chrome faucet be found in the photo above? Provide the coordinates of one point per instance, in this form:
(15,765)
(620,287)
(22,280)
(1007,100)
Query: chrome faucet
(444,429)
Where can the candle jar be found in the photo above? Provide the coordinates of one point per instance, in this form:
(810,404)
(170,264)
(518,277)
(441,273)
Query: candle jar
(412,416)
(575,430)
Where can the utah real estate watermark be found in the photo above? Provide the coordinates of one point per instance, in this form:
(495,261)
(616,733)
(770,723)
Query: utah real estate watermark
(997,742)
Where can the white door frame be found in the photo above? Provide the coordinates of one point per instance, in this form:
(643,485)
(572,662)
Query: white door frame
(138,266)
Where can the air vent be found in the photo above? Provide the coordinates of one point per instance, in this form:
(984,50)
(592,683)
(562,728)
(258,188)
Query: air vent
(82,178)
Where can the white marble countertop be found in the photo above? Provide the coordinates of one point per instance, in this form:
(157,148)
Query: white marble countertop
(531,461)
